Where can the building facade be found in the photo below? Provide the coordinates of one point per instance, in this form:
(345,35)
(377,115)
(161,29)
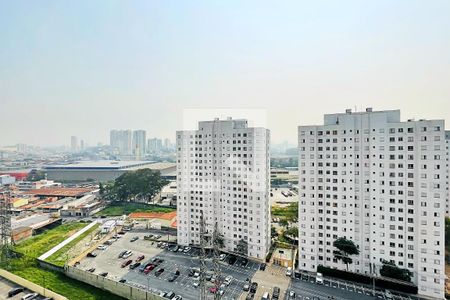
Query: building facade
(447,150)
(121,140)
(223,172)
(139,142)
(379,182)
(154,145)
(73,143)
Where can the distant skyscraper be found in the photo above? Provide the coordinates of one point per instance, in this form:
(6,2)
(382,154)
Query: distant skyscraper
(73,143)
(81,145)
(154,145)
(223,172)
(139,141)
(122,141)
(379,182)
(167,144)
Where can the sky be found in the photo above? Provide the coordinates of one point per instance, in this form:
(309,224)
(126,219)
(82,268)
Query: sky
(84,67)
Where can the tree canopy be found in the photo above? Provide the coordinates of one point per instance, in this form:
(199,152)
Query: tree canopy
(143,184)
(345,248)
(389,269)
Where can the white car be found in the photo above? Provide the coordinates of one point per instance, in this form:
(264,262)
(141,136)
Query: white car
(289,272)
(127,254)
(228,279)
(30,296)
(222,256)
(196,284)
(319,278)
(187,249)
(102,247)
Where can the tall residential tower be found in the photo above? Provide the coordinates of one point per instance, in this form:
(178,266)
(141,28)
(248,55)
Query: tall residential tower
(379,182)
(223,171)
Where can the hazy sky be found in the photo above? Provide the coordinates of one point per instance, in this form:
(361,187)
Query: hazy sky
(84,67)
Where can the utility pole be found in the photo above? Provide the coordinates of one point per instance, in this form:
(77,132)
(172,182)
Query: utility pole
(216,264)
(5,228)
(202,284)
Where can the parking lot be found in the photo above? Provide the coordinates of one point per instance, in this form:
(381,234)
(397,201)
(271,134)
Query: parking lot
(108,261)
(6,286)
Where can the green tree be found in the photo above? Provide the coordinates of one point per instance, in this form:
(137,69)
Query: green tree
(292,232)
(273,231)
(140,185)
(242,247)
(283,223)
(345,248)
(389,269)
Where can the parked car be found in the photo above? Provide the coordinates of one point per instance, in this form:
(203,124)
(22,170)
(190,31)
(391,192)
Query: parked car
(134,239)
(253,287)
(250,296)
(126,263)
(140,257)
(122,253)
(291,295)
(149,268)
(30,296)
(319,278)
(102,247)
(159,272)
(244,262)
(213,290)
(127,254)
(177,297)
(187,249)
(91,254)
(92,270)
(231,259)
(122,280)
(276,293)
(262,267)
(103,274)
(15,291)
(135,265)
(289,272)
(246,287)
(222,256)
(228,279)
(169,295)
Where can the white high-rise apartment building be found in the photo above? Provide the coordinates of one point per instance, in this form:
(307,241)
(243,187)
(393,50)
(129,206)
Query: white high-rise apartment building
(223,171)
(139,142)
(73,143)
(122,141)
(380,182)
(447,150)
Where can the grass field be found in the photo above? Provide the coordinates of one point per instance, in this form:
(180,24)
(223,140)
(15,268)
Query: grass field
(41,243)
(125,208)
(27,267)
(59,257)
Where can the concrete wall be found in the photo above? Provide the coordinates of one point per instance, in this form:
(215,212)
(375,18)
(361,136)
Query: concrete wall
(30,285)
(120,289)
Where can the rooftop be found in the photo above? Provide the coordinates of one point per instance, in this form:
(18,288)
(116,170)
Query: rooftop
(60,192)
(100,164)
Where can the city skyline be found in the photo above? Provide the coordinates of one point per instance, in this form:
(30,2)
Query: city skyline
(141,65)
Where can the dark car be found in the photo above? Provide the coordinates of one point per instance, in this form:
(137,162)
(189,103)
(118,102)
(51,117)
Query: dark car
(135,265)
(92,270)
(122,253)
(262,267)
(122,280)
(159,272)
(15,291)
(231,259)
(141,257)
(276,293)
(134,239)
(104,274)
(244,262)
(253,287)
(91,254)
(126,263)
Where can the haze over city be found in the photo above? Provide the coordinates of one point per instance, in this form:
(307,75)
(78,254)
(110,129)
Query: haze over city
(83,68)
